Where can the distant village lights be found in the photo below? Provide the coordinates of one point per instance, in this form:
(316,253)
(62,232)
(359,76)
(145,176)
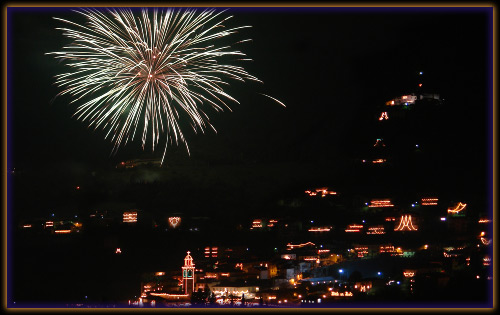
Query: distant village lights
(324,191)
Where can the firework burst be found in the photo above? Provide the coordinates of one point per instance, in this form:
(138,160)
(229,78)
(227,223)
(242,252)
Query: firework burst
(147,71)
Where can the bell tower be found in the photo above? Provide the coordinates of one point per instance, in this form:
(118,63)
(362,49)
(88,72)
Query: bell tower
(188,275)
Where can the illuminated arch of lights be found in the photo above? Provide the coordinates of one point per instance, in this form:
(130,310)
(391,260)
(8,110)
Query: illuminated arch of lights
(405,224)
(459,207)
(383,116)
(485,241)
(379,143)
(409,274)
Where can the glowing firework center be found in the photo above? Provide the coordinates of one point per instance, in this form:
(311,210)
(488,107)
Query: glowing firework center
(151,75)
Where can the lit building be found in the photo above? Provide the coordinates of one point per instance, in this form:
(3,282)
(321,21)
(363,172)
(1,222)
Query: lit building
(457,209)
(402,100)
(289,256)
(129,216)
(354,228)
(261,223)
(188,278)
(380,203)
(429,201)
(320,229)
(292,246)
(237,290)
(211,252)
(174,222)
(406,224)
(383,116)
(377,230)
(323,191)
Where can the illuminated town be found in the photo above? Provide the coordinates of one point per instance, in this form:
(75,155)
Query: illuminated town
(386,249)
(379,197)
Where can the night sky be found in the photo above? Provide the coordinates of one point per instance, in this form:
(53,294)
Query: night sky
(332,67)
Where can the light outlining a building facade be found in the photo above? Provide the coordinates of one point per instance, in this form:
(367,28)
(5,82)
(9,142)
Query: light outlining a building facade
(129,217)
(354,228)
(458,208)
(174,221)
(409,273)
(211,252)
(323,191)
(383,116)
(380,203)
(405,224)
(429,201)
(376,230)
(292,246)
(188,274)
(320,229)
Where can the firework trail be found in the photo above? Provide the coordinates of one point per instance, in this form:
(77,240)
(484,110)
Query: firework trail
(148,71)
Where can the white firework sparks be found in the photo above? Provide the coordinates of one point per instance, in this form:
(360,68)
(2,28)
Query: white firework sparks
(148,70)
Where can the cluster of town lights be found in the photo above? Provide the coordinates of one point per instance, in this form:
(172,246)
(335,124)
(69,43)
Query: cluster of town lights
(321,191)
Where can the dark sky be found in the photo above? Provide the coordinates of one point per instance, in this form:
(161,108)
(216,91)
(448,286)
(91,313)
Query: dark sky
(332,67)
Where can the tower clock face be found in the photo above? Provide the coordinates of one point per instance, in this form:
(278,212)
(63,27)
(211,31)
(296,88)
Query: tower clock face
(184,273)
(189,273)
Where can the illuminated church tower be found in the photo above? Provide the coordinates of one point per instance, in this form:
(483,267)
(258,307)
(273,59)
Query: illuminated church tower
(188,275)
